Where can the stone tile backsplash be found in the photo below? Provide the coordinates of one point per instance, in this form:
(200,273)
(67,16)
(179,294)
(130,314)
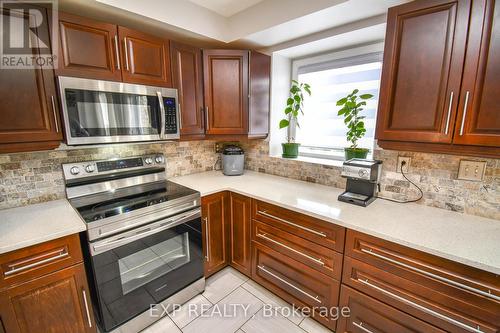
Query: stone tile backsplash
(28,178)
(436,174)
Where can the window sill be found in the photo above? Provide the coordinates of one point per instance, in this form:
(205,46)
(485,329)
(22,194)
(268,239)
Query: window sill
(314,160)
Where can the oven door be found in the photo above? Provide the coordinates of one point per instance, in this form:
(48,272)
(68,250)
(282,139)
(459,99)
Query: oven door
(145,266)
(97,111)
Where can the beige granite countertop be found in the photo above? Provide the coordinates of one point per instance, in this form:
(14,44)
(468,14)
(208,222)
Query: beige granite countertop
(470,240)
(29,225)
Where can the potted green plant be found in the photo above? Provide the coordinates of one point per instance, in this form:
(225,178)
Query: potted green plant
(351,107)
(294,105)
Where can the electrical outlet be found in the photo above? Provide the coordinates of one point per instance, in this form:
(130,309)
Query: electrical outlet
(471,170)
(406,167)
(218,147)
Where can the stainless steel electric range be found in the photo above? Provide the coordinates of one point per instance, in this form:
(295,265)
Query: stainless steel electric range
(143,244)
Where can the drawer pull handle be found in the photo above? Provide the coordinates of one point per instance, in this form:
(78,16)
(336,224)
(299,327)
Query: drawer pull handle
(361,327)
(319,233)
(54,112)
(262,268)
(126,52)
(86,307)
(62,254)
(318,261)
(432,275)
(422,308)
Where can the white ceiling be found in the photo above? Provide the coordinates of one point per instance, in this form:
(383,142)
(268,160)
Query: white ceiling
(297,26)
(226,7)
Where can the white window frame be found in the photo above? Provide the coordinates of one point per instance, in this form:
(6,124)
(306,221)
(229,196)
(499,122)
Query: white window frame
(347,57)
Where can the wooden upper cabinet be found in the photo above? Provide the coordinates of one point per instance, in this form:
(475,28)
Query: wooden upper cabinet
(423,61)
(88,48)
(478,120)
(215,218)
(187,78)
(260,94)
(29,116)
(145,59)
(225,75)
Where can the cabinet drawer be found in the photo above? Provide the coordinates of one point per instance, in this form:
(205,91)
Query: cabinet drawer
(315,230)
(368,315)
(467,285)
(37,260)
(442,309)
(315,256)
(295,282)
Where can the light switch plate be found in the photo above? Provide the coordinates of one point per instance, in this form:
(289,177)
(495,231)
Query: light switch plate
(471,170)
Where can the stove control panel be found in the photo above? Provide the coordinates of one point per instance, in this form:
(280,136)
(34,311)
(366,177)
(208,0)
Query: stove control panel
(79,170)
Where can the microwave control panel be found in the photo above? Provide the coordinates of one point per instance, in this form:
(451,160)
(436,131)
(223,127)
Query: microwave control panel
(170,115)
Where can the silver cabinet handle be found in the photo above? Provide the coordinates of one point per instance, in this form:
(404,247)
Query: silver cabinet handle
(162,115)
(422,308)
(449,114)
(465,113)
(207,257)
(432,275)
(319,233)
(117,53)
(126,52)
(262,268)
(317,261)
(54,112)
(62,254)
(361,327)
(207,126)
(86,307)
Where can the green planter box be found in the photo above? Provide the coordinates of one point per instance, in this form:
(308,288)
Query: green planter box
(290,150)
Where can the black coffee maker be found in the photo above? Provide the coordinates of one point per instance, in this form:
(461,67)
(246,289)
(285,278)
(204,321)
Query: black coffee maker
(363,178)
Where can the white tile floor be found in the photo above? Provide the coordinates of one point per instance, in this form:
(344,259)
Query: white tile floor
(215,312)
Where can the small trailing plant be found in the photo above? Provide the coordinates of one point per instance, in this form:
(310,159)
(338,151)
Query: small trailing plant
(352,105)
(294,105)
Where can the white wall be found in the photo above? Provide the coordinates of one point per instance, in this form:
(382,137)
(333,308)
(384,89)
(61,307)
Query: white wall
(281,69)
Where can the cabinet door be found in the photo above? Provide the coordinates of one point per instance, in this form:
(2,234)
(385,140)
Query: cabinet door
(215,212)
(369,315)
(422,70)
(226,91)
(478,122)
(88,48)
(145,58)
(240,233)
(29,116)
(58,302)
(259,95)
(187,78)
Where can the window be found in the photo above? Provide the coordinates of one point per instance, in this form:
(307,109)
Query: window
(322,131)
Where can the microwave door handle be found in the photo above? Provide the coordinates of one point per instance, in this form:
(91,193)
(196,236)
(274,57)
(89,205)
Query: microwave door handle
(162,115)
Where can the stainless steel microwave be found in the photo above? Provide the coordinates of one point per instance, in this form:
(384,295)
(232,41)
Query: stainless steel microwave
(96,111)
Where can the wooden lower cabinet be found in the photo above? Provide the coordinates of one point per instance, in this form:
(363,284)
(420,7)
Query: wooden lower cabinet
(240,233)
(295,282)
(367,315)
(56,302)
(215,219)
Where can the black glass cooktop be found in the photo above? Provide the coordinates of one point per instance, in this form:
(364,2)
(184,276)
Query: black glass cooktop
(117,204)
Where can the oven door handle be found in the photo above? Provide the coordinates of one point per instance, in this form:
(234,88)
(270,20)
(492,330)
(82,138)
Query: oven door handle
(116,241)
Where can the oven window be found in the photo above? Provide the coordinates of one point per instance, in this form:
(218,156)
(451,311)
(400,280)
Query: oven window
(96,113)
(152,262)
